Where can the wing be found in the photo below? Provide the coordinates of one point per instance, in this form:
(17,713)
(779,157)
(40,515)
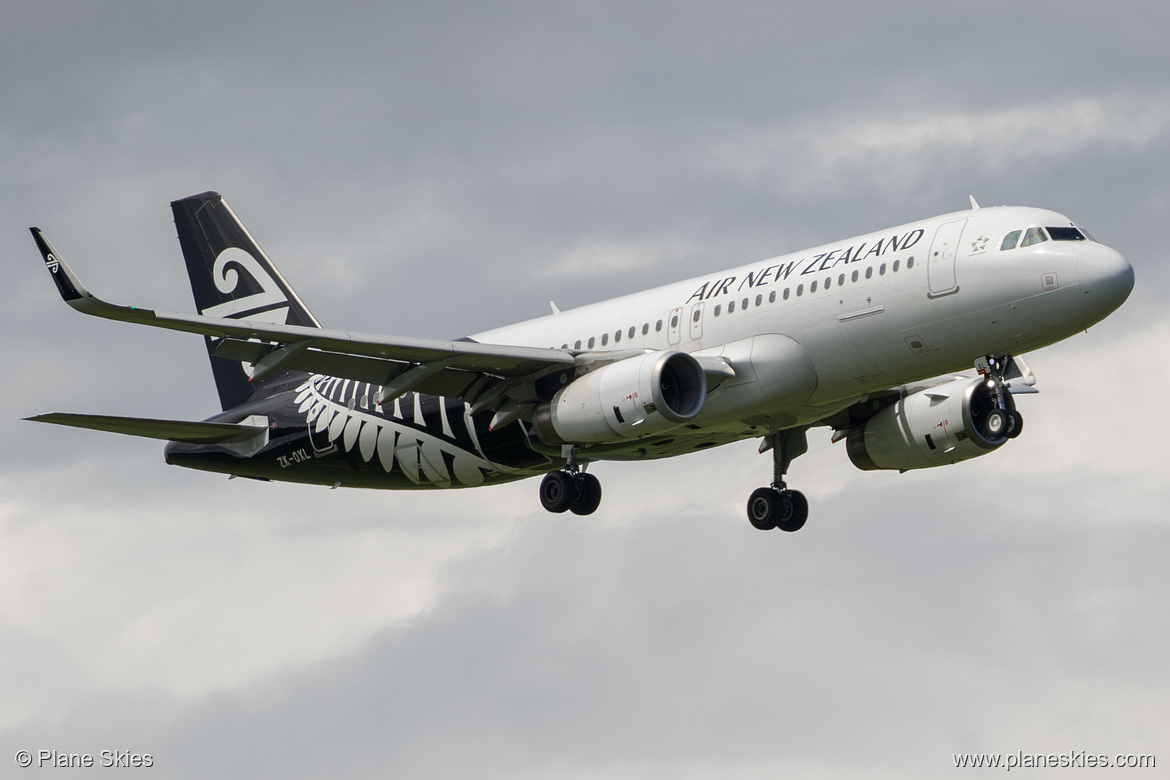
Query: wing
(480,374)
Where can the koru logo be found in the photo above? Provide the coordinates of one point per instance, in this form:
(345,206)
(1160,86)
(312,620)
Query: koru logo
(52,263)
(228,272)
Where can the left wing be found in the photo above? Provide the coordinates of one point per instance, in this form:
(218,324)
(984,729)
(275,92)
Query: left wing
(479,373)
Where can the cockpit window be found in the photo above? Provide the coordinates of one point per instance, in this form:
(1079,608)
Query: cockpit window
(1066,234)
(1033,236)
(1009,241)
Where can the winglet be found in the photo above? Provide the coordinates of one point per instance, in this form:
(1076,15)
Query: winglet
(67,283)
(73,292)
(974,205)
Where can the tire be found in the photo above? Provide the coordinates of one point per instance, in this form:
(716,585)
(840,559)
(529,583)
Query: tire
(793,511)
(996,424)
(763,509)
(556,491)
(586,494)
(1015,424)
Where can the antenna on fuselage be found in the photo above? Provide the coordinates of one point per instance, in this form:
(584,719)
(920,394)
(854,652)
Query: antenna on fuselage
(974,205)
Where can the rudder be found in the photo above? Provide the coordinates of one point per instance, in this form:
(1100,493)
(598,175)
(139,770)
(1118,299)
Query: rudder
(232,277)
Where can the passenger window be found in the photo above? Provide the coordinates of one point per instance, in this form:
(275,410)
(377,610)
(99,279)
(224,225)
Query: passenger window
(786,293)
(695,318)
(577,345)
(658,327)
(674,321)
(882,269)
(1009,241)
(812,288)
(617,336)
(744,305)
(909,263)
(730,307)
(854,277)
(1033,236)
(869,272)
(1065,234)
(645,328)
(828,282)
(896,262)
(772,297)
(841,280)
(592,340)
(799,290)
(604,339)
(718,308)
(759,300)
(631,333)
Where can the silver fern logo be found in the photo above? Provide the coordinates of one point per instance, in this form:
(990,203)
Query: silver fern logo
(343,412)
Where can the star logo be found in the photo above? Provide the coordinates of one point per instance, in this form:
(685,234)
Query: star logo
(980,244)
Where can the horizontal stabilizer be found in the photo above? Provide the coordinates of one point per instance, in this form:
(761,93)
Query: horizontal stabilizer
(171,430)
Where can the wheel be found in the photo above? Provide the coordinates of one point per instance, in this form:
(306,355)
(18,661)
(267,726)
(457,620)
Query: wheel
(586,494)
(793,511)
(763,508)
(556,491)
(996,423)
(1015,424)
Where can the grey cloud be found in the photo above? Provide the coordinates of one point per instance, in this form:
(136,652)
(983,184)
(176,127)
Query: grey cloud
(436,170)
(688,644)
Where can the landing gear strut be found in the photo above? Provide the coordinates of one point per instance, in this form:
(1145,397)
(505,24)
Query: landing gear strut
(571,489)
(777,506)
(1003,420)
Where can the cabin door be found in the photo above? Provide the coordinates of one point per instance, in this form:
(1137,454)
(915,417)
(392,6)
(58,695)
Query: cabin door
(940,266)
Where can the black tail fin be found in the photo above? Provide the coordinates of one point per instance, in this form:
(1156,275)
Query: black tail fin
(232,277)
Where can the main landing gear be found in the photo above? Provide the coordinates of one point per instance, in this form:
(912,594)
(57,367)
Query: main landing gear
(1003,420)
(571,489)
(777,506)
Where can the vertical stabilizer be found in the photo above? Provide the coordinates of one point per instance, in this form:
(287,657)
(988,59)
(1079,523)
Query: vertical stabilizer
(232,277)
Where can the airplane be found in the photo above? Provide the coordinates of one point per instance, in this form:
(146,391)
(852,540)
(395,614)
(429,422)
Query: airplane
(866,336)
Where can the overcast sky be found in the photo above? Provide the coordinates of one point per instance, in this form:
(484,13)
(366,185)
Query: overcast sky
(436,169)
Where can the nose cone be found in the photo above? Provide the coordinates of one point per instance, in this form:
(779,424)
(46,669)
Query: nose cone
(1106,278)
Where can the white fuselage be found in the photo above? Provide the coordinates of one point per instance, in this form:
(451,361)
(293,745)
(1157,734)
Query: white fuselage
(812,332)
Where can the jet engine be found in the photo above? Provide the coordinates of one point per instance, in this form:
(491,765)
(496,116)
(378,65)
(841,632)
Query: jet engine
(637,396)
(933,427)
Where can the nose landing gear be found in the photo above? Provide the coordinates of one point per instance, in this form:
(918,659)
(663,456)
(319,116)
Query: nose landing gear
(777,506)
(1004,420)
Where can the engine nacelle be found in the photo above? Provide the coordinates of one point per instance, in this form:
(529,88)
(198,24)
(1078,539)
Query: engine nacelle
(933,427)
(641,395)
